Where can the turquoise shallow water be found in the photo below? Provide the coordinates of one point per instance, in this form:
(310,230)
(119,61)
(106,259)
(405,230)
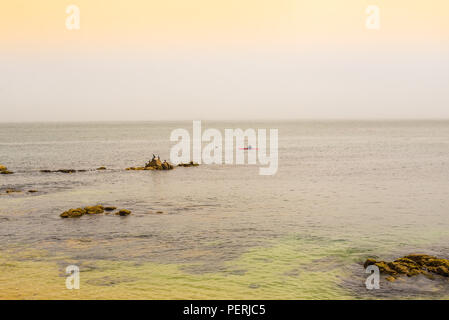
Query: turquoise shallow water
(345,190)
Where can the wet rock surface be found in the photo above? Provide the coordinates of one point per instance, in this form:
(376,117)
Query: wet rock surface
(412,265)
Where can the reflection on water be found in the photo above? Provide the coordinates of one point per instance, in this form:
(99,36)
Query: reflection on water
(344,191)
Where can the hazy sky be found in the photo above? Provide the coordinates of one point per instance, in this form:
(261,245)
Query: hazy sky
(223,59)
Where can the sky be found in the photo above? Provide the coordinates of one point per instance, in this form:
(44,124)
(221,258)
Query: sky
(223,60)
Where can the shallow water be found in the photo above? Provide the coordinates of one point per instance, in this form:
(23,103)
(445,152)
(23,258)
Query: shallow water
(344,191)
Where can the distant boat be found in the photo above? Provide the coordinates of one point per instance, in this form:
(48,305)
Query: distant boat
(248,148)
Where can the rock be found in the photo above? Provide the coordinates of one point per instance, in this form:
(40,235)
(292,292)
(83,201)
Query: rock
(109,208)
(159,212)
(154,164)
(123,212)
(369,262)
(413,265)
(62,171)
(101,168)
(32,191)
(390,278)
(66,170)
(4,170)
(73,213)
(190,164)
(94,209)
(13,191)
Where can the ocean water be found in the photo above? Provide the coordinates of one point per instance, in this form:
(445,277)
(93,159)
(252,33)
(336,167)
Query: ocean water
(344,191)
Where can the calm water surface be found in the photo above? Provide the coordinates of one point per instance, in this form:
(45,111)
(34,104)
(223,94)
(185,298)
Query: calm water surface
(344,191)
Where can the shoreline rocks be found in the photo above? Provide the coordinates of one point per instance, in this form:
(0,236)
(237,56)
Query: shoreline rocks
(412,265)
(93,210)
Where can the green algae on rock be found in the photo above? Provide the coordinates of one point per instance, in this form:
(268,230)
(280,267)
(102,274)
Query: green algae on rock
(412,265)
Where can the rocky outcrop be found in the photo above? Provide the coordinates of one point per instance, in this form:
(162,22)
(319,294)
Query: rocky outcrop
(154,164)
(190,164)
(4,170)
(412,265)
(93,210)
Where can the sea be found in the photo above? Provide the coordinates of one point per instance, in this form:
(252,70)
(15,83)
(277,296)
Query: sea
(344,191)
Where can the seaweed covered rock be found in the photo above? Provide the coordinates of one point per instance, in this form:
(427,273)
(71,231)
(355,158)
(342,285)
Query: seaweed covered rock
(94,209)
(412,265)
(73,213)
(3,168)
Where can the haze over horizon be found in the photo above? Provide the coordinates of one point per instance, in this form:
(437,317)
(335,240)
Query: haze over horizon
(232,60)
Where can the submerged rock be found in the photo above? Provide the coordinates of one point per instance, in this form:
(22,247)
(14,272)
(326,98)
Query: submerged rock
(190,164)
(101,168)
(123,212)
(109,208)
(412,265)
(62,171)
(32,191)
(13,191)
(3,168)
